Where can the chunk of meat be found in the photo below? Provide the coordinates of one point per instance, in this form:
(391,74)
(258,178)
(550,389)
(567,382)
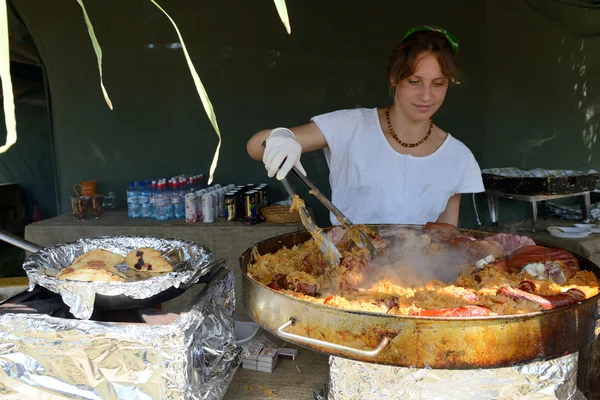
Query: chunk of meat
(314,264)
(309,289)
(540,254)
(281,281)
(558,271)
(528,286)
(466,311)
(378,241)
(490,248)
(511,242)
(295,284)
(400,233)
(547,302)
(355,266)
(473,250)
(555,271)
(351,237)
(502,265)
(336,234)
(441,233)
(470,296)
(388,302)
(274,286)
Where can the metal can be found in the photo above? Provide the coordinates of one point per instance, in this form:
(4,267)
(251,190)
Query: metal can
(199,195)
(191,208)
(208,211)
(215,203)
(230,207)
(264,196)
(249,186)
(239,202)
(241,188)
(259,205)
(221,209)
(250,204)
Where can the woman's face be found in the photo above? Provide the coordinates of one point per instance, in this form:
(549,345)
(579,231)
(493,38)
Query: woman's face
(421,94)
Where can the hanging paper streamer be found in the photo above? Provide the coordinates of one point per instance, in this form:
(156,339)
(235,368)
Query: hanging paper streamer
(283,14)
(97,50)
(7,89)
(201,92)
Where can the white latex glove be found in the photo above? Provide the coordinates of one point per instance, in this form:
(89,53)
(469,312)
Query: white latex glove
(282,145)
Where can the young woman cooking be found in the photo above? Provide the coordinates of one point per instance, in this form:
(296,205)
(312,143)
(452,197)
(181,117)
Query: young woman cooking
(389,165)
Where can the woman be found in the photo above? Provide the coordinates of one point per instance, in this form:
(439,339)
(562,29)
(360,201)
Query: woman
(390,164)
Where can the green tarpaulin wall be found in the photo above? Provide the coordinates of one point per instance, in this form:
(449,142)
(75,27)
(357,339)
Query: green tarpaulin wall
(529,96)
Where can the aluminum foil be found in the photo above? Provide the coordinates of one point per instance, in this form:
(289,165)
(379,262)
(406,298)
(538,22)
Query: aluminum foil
(43,266)
(572,212)
(554,379)
(194,357)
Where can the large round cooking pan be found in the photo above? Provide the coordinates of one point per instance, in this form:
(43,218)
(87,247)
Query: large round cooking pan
(435,342)
(202,274)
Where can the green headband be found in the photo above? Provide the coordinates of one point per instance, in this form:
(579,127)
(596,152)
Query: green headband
(451,39)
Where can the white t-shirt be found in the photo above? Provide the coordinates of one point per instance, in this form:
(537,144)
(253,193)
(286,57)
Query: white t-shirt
(372,183)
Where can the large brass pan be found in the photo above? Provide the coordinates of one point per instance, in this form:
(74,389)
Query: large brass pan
(435,342)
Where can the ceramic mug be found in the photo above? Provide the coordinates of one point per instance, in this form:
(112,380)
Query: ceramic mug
(86,188)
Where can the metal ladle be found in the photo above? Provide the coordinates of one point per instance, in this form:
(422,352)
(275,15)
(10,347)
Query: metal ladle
(326,246)
(328,249)
(364,241)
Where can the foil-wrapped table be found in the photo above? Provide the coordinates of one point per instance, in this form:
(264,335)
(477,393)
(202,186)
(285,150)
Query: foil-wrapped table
(355,380)
(192,355)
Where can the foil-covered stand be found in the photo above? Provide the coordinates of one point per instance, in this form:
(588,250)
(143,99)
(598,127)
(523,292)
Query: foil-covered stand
(194,357)
(355,380)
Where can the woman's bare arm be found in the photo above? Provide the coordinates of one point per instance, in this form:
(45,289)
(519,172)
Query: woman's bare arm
(309,136)
(450,214)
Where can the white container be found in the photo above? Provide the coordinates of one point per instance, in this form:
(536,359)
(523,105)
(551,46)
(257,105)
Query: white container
(244,332)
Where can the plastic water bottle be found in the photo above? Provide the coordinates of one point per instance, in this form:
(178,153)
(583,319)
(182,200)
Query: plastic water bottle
(144,200)
(177,201)
(201,183)
(133,203)
(170,192)
(196,183)
(138,209)
(152,191)
(161,203)
(130,200)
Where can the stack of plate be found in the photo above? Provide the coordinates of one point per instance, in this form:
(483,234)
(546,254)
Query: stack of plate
(578,231)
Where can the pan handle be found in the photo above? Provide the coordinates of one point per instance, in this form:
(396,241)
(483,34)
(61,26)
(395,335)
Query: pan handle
(364,353)
(19,242)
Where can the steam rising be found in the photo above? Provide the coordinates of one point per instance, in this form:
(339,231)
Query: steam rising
(413,258)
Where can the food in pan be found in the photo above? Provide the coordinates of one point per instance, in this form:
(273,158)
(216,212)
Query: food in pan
(147,259)
(100,265)
(107,257)
(434,271)
(91,271)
